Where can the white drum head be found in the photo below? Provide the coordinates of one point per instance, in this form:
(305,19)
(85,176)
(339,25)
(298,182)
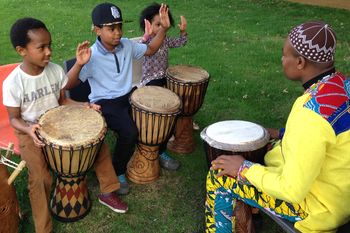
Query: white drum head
(235,135)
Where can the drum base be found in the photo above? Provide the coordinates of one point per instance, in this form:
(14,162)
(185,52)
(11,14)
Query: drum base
(143,167)
(184,142)
(9,208)
(70,201)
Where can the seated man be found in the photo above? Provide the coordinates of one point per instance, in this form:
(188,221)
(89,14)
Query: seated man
(306,176)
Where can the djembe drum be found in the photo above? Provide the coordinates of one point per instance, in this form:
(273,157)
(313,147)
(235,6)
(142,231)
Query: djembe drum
(9,207)
(154,110)
(190,84)
(236,138)
(73,137)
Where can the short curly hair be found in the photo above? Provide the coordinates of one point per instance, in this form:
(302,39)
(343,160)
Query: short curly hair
(19,31)
(149,12)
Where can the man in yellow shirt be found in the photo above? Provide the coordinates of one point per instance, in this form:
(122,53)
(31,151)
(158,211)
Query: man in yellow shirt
(305,178)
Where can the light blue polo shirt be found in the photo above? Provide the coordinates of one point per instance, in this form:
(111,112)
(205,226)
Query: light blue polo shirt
(102,73)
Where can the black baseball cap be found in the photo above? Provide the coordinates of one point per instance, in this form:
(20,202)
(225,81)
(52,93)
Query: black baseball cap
(106,14)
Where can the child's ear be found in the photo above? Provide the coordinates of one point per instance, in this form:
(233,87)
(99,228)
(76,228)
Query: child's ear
(97,30)
(21,51)
(301,62)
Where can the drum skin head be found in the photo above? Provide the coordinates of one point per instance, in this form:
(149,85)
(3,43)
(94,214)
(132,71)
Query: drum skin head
(235,135)
(71,126)
(187,74)
(156,99)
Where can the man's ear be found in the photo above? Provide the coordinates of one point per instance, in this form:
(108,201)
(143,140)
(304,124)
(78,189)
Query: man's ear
(301,62)
(21,51)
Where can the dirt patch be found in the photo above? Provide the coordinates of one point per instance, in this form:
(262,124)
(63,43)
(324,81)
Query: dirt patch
(342,4)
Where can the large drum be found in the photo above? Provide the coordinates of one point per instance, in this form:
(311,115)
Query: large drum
(9,207)
(190,83)
(235,137)
(73,137)
(154,110)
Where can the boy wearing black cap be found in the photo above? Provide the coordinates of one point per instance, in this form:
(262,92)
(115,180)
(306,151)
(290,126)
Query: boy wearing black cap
(306,175)
(109,72)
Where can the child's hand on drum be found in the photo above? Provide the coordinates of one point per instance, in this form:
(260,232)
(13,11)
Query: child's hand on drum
(83,53)
(93,106)
(228,164)
(34,135)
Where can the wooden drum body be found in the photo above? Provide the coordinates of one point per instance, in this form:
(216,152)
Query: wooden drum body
(9,208)
(73,137)
(154,110)
(237,138)
(190,84)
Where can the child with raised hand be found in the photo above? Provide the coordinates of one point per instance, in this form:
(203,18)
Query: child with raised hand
(109,73)
(154,67)
(33,87)
(305,178)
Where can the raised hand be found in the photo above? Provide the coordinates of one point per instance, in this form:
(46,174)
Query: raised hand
(228,164)
(148,28)
(164,16)
(183,24)
(83,53)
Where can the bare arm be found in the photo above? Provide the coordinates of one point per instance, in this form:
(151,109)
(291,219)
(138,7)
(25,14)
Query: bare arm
(157,41)
(83,54)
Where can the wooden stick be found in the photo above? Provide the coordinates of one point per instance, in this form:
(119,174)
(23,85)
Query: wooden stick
(15,173)
(9,150)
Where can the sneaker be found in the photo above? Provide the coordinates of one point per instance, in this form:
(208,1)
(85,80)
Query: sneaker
(112,201)
(167,162)
(124,185)
(195,126)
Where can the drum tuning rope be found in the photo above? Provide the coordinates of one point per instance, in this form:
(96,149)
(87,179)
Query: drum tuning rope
(6,161)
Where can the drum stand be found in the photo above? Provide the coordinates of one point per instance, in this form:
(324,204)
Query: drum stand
(9,208)
(143,167)
(184,142)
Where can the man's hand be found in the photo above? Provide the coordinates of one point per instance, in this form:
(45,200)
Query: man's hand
(229,164)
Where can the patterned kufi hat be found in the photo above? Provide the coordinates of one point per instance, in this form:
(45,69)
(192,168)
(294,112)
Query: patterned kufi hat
(316,41)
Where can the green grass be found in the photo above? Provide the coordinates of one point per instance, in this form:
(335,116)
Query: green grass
(238,42)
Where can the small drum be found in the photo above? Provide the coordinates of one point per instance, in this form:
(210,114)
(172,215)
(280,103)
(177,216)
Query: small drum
(239,138)
(235,137)
(190,83)
(73,136)
(154,110)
